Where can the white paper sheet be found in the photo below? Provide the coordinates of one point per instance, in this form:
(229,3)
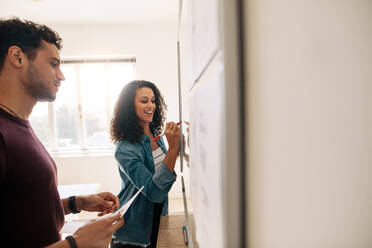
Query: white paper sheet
(206,156)
(205,34)
(72,226)
(126,206)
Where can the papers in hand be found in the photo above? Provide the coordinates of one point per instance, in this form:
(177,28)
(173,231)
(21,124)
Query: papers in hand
(125,207)
(71,226)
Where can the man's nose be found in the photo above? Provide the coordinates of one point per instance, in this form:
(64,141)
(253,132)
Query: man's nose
(60,75)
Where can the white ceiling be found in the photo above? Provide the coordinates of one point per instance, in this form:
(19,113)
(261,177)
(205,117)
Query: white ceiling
(90,11)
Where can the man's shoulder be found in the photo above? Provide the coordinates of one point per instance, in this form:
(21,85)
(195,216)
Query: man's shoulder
(7,120)
(4,124)
(10,127)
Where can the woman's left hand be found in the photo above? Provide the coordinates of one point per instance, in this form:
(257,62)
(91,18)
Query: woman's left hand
(104,203)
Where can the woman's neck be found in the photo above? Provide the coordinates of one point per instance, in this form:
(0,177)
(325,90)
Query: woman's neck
(146,129)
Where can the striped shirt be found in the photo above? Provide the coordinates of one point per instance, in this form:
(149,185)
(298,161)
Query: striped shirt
(158,156)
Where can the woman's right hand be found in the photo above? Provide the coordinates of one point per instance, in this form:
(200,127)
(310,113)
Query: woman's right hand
(172,132)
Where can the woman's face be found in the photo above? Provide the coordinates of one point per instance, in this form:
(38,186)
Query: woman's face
(144,103)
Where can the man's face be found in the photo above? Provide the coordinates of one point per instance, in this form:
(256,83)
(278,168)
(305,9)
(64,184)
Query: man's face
(44,75)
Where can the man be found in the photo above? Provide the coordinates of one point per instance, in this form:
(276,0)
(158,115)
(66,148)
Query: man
(31,211)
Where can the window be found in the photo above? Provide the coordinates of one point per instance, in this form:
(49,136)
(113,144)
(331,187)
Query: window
(78,121)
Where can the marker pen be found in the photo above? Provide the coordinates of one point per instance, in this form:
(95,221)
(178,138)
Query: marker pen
(184,234)
(162,134)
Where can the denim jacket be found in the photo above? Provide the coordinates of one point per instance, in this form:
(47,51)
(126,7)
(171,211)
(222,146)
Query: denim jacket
(137,169)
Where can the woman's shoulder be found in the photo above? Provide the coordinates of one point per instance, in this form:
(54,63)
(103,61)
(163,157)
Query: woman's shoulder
(125,144)
(128,150)
(129,147)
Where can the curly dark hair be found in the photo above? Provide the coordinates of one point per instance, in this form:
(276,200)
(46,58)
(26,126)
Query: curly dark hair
(27,35)
(124,123)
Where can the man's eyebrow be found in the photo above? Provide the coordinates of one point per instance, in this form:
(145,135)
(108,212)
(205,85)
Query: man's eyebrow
(56,60)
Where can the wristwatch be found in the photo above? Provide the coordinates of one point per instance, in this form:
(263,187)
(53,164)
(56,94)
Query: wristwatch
(72,205)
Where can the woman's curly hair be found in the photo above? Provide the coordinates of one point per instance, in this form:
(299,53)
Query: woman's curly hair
(125,124)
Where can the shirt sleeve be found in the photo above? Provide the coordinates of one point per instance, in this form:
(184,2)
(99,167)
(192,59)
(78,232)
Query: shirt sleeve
(131,164)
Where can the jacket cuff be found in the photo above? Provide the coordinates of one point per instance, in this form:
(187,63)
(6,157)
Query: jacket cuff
(163,177)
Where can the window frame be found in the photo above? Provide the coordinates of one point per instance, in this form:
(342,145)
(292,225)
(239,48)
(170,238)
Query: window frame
(83,149)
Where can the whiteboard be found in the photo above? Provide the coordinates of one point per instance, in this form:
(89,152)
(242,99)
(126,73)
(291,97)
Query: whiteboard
(206,104)
(216,161)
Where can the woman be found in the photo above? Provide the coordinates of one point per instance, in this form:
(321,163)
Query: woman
(138,118)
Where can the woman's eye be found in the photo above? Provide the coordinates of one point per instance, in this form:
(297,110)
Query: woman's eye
(153,101)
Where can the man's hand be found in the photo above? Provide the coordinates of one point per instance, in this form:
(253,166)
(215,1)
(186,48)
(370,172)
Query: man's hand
(95,234)
(98,232)
(104,203)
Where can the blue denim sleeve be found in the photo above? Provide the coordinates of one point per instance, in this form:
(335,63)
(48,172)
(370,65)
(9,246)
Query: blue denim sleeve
(130,159)
(164,178)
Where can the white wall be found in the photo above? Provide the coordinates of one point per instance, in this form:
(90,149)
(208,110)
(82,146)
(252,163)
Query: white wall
(154,45)
(309,101)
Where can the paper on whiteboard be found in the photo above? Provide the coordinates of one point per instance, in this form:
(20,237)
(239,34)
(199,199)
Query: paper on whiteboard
(126,206)
(206,155)
(205,34)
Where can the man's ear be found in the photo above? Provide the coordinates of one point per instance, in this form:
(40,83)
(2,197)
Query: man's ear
(16,56)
